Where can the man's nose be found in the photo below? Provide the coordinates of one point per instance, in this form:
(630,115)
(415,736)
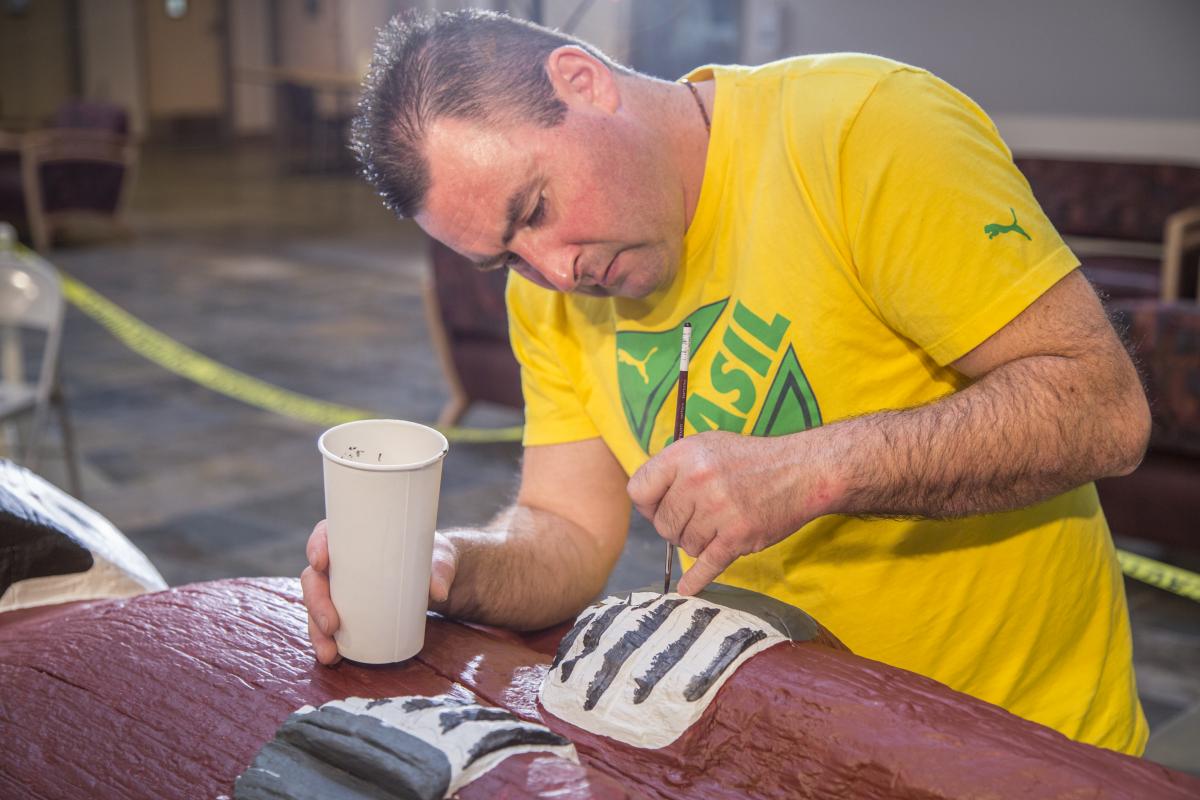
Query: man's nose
(555,263)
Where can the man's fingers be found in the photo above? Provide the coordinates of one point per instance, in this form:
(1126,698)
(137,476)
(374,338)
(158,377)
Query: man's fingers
(696,537)
(440,577)
(647,511)
(324,647)
(445,565)
(672,521)
(314,582)
(318,547)
(315,586)
(648,485)
(709,564)
(322,618)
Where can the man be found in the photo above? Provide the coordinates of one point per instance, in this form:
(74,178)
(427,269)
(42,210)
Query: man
(929,383)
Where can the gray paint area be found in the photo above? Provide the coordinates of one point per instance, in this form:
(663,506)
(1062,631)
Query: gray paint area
(422,748)
(1099,58)
(331,753)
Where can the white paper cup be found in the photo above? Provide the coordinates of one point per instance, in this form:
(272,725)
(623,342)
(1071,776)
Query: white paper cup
(382,479)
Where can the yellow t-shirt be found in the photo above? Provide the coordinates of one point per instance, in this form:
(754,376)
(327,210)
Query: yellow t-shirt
(860,226)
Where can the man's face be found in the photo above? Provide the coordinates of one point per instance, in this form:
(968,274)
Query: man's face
(581,207)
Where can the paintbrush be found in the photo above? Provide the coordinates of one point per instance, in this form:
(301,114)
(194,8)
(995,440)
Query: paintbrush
(685,349)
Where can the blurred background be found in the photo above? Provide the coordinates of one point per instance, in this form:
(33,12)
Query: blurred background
(187,161)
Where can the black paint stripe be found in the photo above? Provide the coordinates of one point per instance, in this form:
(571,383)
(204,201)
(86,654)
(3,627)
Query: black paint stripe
(565,645)
(591,639)
(452,719)
(620,652)
(422,703)
(513,737)
(676,650)
(734,645)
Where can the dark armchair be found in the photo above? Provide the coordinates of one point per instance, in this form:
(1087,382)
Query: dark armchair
(469,327)
(1160,500)
(80,166)
(1135,226)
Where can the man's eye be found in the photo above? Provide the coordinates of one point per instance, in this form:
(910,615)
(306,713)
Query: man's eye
(539,212)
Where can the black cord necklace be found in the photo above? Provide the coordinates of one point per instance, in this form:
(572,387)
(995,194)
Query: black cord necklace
(700,105)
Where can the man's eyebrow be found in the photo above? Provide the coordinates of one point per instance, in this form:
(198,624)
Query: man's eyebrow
(517,202)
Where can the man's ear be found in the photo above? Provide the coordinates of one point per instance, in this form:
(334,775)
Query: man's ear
(579,77)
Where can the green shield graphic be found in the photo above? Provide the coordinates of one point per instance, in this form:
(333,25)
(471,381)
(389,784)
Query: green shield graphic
(648,367)
(790,405)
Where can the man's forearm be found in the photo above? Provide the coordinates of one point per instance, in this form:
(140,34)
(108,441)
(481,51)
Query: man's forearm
(1023,433)
(528,569)
(1055,403)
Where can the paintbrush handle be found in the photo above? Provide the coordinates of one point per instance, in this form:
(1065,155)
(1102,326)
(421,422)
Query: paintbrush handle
(681,405)
(685,354)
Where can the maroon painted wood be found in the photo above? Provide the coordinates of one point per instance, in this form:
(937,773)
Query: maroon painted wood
(540,775)
(812,720)
(172,694)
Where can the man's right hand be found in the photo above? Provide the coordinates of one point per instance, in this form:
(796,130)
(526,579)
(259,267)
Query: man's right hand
(323,617)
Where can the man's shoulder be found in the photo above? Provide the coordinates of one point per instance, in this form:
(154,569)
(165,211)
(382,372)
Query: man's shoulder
(819,89)
(808,98)
(859,65)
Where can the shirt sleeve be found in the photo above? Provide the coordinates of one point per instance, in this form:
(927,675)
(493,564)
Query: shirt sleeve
(945,234)
(538,330)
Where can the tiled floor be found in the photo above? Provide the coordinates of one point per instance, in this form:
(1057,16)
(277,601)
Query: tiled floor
(306,282)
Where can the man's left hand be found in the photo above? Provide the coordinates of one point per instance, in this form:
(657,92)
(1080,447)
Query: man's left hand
(721,496)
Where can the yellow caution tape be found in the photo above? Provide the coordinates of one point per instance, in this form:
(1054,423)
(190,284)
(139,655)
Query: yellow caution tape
(184,361)
(1164,576)
(175,357)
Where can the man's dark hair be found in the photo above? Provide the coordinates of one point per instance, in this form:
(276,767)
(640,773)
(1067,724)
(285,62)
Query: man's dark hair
(471,65)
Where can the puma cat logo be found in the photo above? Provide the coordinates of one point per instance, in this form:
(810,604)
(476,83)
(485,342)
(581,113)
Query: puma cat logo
(995,229)
(640,366)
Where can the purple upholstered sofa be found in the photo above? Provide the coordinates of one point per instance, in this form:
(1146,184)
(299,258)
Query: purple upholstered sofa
(1136,227)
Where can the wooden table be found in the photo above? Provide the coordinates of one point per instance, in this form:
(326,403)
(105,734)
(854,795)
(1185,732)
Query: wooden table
(171,695)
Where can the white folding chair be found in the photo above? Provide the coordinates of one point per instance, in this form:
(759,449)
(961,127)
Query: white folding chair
(31,301)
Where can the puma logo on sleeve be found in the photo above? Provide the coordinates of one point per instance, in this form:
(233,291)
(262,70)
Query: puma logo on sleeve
(995,229)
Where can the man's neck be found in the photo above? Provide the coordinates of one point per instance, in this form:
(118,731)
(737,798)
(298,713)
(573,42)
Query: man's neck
(700,133)
(671,113)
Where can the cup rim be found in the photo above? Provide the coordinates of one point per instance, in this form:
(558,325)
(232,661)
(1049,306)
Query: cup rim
(415,465)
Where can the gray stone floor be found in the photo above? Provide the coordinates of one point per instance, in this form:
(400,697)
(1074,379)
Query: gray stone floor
(306,282)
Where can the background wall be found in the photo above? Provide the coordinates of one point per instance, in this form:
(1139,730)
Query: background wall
(111,58)
(308,35)
(185,61)
(1092,76)
(604,24)
(1103,58)
(36,63)
(250,49)
(360,21)
(1110,78)
(1088,77)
